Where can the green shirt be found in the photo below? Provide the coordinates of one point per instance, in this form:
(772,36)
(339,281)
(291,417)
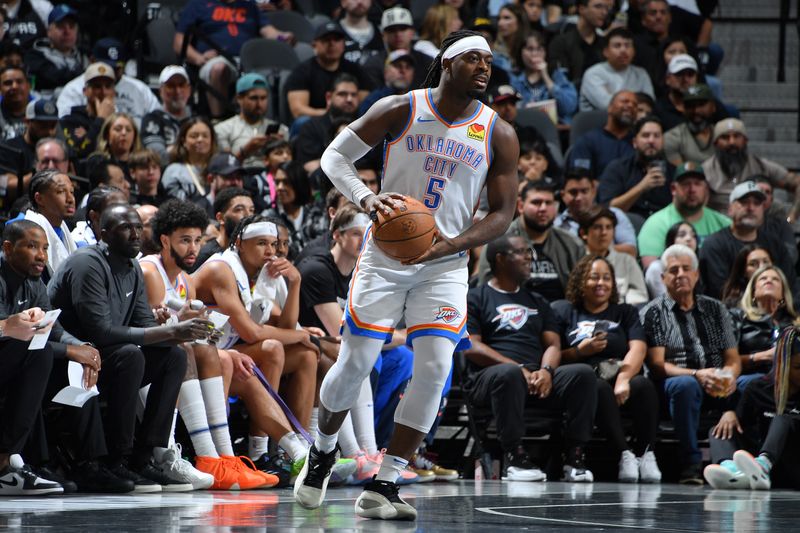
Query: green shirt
(654,231)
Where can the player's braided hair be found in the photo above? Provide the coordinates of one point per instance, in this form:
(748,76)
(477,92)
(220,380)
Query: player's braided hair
(246,221)
(435,70)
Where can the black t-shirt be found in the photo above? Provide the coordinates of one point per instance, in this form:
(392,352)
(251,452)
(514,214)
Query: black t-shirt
(544,276)
(510,323)
(621,320)
(322,283)
(208,249)
(310,76)
(28,159)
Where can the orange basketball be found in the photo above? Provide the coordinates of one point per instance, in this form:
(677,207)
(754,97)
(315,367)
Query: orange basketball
(407,232)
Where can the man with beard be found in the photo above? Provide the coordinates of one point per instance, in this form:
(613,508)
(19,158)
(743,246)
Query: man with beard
(101,292)
(719,249)
(80,127)
(362,39)
(160,127)
(595,149)
(397,27)
(639,184)
(682,73)
(732,164)
(247,133)
(689,194)
(231,205)
(342,102)
(691,139)
(397,74)
(307,85)
(556,251)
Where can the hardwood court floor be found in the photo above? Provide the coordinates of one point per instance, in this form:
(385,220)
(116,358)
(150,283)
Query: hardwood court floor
(486,506)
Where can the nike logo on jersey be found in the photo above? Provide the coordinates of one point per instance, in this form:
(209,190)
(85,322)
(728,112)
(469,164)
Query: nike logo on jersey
(20,302)
(420,119)
(127,294)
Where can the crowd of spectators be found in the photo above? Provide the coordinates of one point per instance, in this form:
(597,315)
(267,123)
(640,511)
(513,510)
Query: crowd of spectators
(650,272)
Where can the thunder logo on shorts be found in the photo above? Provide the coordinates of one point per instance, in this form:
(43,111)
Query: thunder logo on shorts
(447,314)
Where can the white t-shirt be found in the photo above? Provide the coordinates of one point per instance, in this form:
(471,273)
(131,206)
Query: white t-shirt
(133,97)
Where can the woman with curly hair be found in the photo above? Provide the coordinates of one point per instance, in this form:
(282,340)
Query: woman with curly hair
(185,177)
(607,335)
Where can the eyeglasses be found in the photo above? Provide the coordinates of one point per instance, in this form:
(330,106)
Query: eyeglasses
(49,160)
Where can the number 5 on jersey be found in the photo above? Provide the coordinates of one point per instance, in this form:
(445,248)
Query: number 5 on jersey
(433,192)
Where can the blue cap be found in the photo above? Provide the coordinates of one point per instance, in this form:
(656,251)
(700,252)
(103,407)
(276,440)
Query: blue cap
(42,109)
(60,12)
(251,81)
(110,51)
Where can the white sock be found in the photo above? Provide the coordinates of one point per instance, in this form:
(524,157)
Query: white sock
(171,441)
(391,468)
(217,413)
(362,415)
(325,443)
(193,412)
(347,438)
(313,424)
(293,445)
(257,446)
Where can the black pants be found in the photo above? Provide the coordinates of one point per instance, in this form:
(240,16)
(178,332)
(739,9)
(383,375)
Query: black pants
(503,387)
(642,405)
(781,443)
(126,368)
(23,379)
(83,424)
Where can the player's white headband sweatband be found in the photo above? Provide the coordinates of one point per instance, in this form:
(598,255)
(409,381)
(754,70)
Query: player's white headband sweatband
(361,220)
(260,229)
(473,42)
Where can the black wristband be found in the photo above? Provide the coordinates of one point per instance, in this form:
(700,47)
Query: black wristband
(315,341)
(549,369)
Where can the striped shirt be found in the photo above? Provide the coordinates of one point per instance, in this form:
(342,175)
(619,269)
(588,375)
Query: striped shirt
(692,339)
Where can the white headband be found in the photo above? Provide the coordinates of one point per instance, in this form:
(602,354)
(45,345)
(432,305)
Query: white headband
(473,42)
(361,220)
(260,229)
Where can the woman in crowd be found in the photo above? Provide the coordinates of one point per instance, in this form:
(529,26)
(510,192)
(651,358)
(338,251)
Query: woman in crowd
(304,218)
(185,177)
(118,139)
(679,233)
(763,424)
(536,81)
(512,28)
(597,231)
(439,22)
(749,259)
(764,310)
(598,331)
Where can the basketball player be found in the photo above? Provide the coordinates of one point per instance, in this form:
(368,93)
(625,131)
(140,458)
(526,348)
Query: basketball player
(242,282)
(178,230)
(443,145)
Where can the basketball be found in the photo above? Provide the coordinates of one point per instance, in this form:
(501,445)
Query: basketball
(407,232)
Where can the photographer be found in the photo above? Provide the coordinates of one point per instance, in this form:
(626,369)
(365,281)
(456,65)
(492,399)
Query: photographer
(639,184)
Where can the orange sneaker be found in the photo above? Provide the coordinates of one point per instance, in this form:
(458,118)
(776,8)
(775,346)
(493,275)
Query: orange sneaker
(240,464)
(225,478)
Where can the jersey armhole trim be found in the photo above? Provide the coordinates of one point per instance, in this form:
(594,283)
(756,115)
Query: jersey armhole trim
(489,139)
(412,109)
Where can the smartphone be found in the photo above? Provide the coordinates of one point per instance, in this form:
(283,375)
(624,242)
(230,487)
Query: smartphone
(601,326)
(272,129)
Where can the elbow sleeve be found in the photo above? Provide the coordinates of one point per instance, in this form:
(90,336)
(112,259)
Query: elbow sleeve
(337,164)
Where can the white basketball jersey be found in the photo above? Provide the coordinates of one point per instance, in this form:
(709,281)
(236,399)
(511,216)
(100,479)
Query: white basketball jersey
(179,290)
(442,164)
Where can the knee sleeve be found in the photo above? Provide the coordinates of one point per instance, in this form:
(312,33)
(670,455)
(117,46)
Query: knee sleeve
(342,384)
(433,358)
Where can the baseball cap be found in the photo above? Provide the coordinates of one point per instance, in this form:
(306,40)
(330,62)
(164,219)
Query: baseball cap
(682,62)
(170,71)
(98,70)
(501,93)
(249,81)
(745,188)
(689,169)
(109,50)
(329,28)
(397,55)
(41,109)
(224,164)
(60,12)
(728,125)
(696,93)
(396,16)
